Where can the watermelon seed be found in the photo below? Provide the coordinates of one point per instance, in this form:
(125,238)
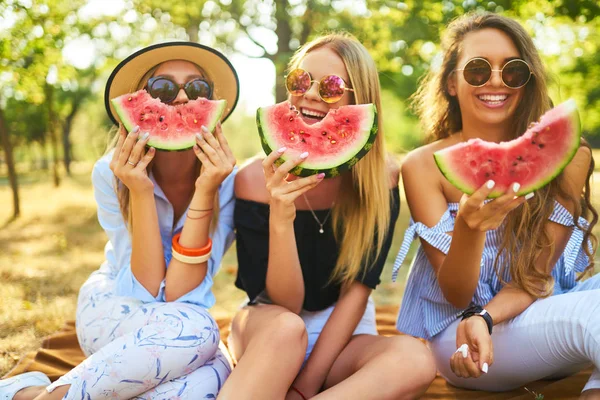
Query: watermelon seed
(329,137)
(195,121)
(161,119)
(302,132)
(533,142)
(323,133)
(519,158)
(291,119)
(333,142)
(130,98)
(292,138)
(303,141)
(347,120)
(541,146)
(292,133)
(515,164)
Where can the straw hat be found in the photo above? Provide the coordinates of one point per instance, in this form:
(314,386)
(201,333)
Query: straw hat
(125,77)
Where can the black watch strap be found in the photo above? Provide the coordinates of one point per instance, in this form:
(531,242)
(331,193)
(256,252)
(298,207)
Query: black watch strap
(481,312)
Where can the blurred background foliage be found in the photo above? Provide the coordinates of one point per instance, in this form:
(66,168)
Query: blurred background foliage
(51,104)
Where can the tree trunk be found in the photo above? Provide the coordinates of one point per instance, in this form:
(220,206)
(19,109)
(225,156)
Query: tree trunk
(192,30)
(66,136)
(284,36)
(10,163)
(52,132)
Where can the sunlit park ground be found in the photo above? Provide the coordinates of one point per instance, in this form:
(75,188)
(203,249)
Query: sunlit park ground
(47,254)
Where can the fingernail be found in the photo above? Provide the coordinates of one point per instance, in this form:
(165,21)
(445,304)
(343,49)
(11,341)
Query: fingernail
(304,155)
(484,368)
(490,184)
(321,175)
(145,136)
(516,187)
(136,128)
(205,129)
(529,195)
(199,137)
(281,150)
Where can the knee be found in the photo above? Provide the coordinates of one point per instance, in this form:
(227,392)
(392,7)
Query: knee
(412,355)
(287,329)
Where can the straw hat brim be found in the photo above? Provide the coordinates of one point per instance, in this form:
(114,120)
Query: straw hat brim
(127,75)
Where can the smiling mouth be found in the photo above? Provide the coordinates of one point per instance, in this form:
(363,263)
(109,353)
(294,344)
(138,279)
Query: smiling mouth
(311,115)
(493,99)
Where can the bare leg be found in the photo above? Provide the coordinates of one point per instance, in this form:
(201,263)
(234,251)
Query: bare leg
(269,343)
(370,366)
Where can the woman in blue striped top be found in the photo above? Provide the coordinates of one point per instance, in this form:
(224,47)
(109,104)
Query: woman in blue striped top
(510,265)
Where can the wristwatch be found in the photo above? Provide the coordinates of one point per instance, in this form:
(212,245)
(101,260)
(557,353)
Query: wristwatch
(480,311)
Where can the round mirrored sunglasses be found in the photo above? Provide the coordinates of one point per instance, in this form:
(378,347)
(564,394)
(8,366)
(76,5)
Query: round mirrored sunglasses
(331,87)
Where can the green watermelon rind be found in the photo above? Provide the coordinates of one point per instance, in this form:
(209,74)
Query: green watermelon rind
(571,114)
(172,146)
(336,168)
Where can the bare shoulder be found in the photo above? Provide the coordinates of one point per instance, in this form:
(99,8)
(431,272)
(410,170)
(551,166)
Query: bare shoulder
(250,181)
(420,161)
(580,163)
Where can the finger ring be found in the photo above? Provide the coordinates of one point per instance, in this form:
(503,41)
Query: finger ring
(130,163)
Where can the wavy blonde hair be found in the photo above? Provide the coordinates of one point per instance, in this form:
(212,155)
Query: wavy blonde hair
(123,191)
(439,112)
(360,222)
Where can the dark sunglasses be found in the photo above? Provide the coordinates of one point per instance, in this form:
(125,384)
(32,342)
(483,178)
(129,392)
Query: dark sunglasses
(166,90)
(331,87)
(478,71)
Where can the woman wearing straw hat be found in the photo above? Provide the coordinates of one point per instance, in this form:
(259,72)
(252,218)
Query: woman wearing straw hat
(142,318)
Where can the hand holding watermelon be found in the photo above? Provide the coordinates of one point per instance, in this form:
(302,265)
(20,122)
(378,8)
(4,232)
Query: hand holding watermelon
(533,159)
(216,158)
(282,193)
(129,160)
(482,216)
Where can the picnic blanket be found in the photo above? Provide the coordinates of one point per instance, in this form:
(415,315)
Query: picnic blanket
(60,352)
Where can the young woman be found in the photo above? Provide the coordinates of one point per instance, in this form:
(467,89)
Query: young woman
(311,250)
(515,257)
(142,318)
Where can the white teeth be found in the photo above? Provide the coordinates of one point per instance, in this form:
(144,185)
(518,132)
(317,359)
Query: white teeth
(314,114)
(493,97)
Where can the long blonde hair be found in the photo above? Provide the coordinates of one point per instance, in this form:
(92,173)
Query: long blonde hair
(123,191)
(439,112)
(361,220)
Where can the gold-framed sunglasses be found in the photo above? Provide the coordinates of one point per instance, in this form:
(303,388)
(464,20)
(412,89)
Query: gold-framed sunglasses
(331,87)
(514,74)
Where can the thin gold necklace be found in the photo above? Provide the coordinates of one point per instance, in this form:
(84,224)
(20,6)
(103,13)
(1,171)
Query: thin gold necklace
(315,215)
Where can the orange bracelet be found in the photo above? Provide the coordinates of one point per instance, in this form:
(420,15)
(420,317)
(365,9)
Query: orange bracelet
(186,251)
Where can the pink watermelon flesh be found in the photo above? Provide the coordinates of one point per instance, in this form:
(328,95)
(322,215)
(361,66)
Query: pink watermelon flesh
(334,144)
(170,127)
(532,160)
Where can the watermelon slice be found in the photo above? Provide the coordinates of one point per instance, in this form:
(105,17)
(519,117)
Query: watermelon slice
(170,127)
(334,144)
(532,160)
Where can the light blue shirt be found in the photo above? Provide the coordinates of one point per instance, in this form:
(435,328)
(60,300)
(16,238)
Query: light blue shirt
(425,312)
(118,249)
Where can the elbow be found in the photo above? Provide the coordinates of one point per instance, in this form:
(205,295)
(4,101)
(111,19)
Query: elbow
(170,295)
(459,300)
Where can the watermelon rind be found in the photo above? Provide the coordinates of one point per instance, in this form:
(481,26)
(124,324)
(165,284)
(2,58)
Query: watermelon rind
(568,110)
(172,145)
(369,126)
